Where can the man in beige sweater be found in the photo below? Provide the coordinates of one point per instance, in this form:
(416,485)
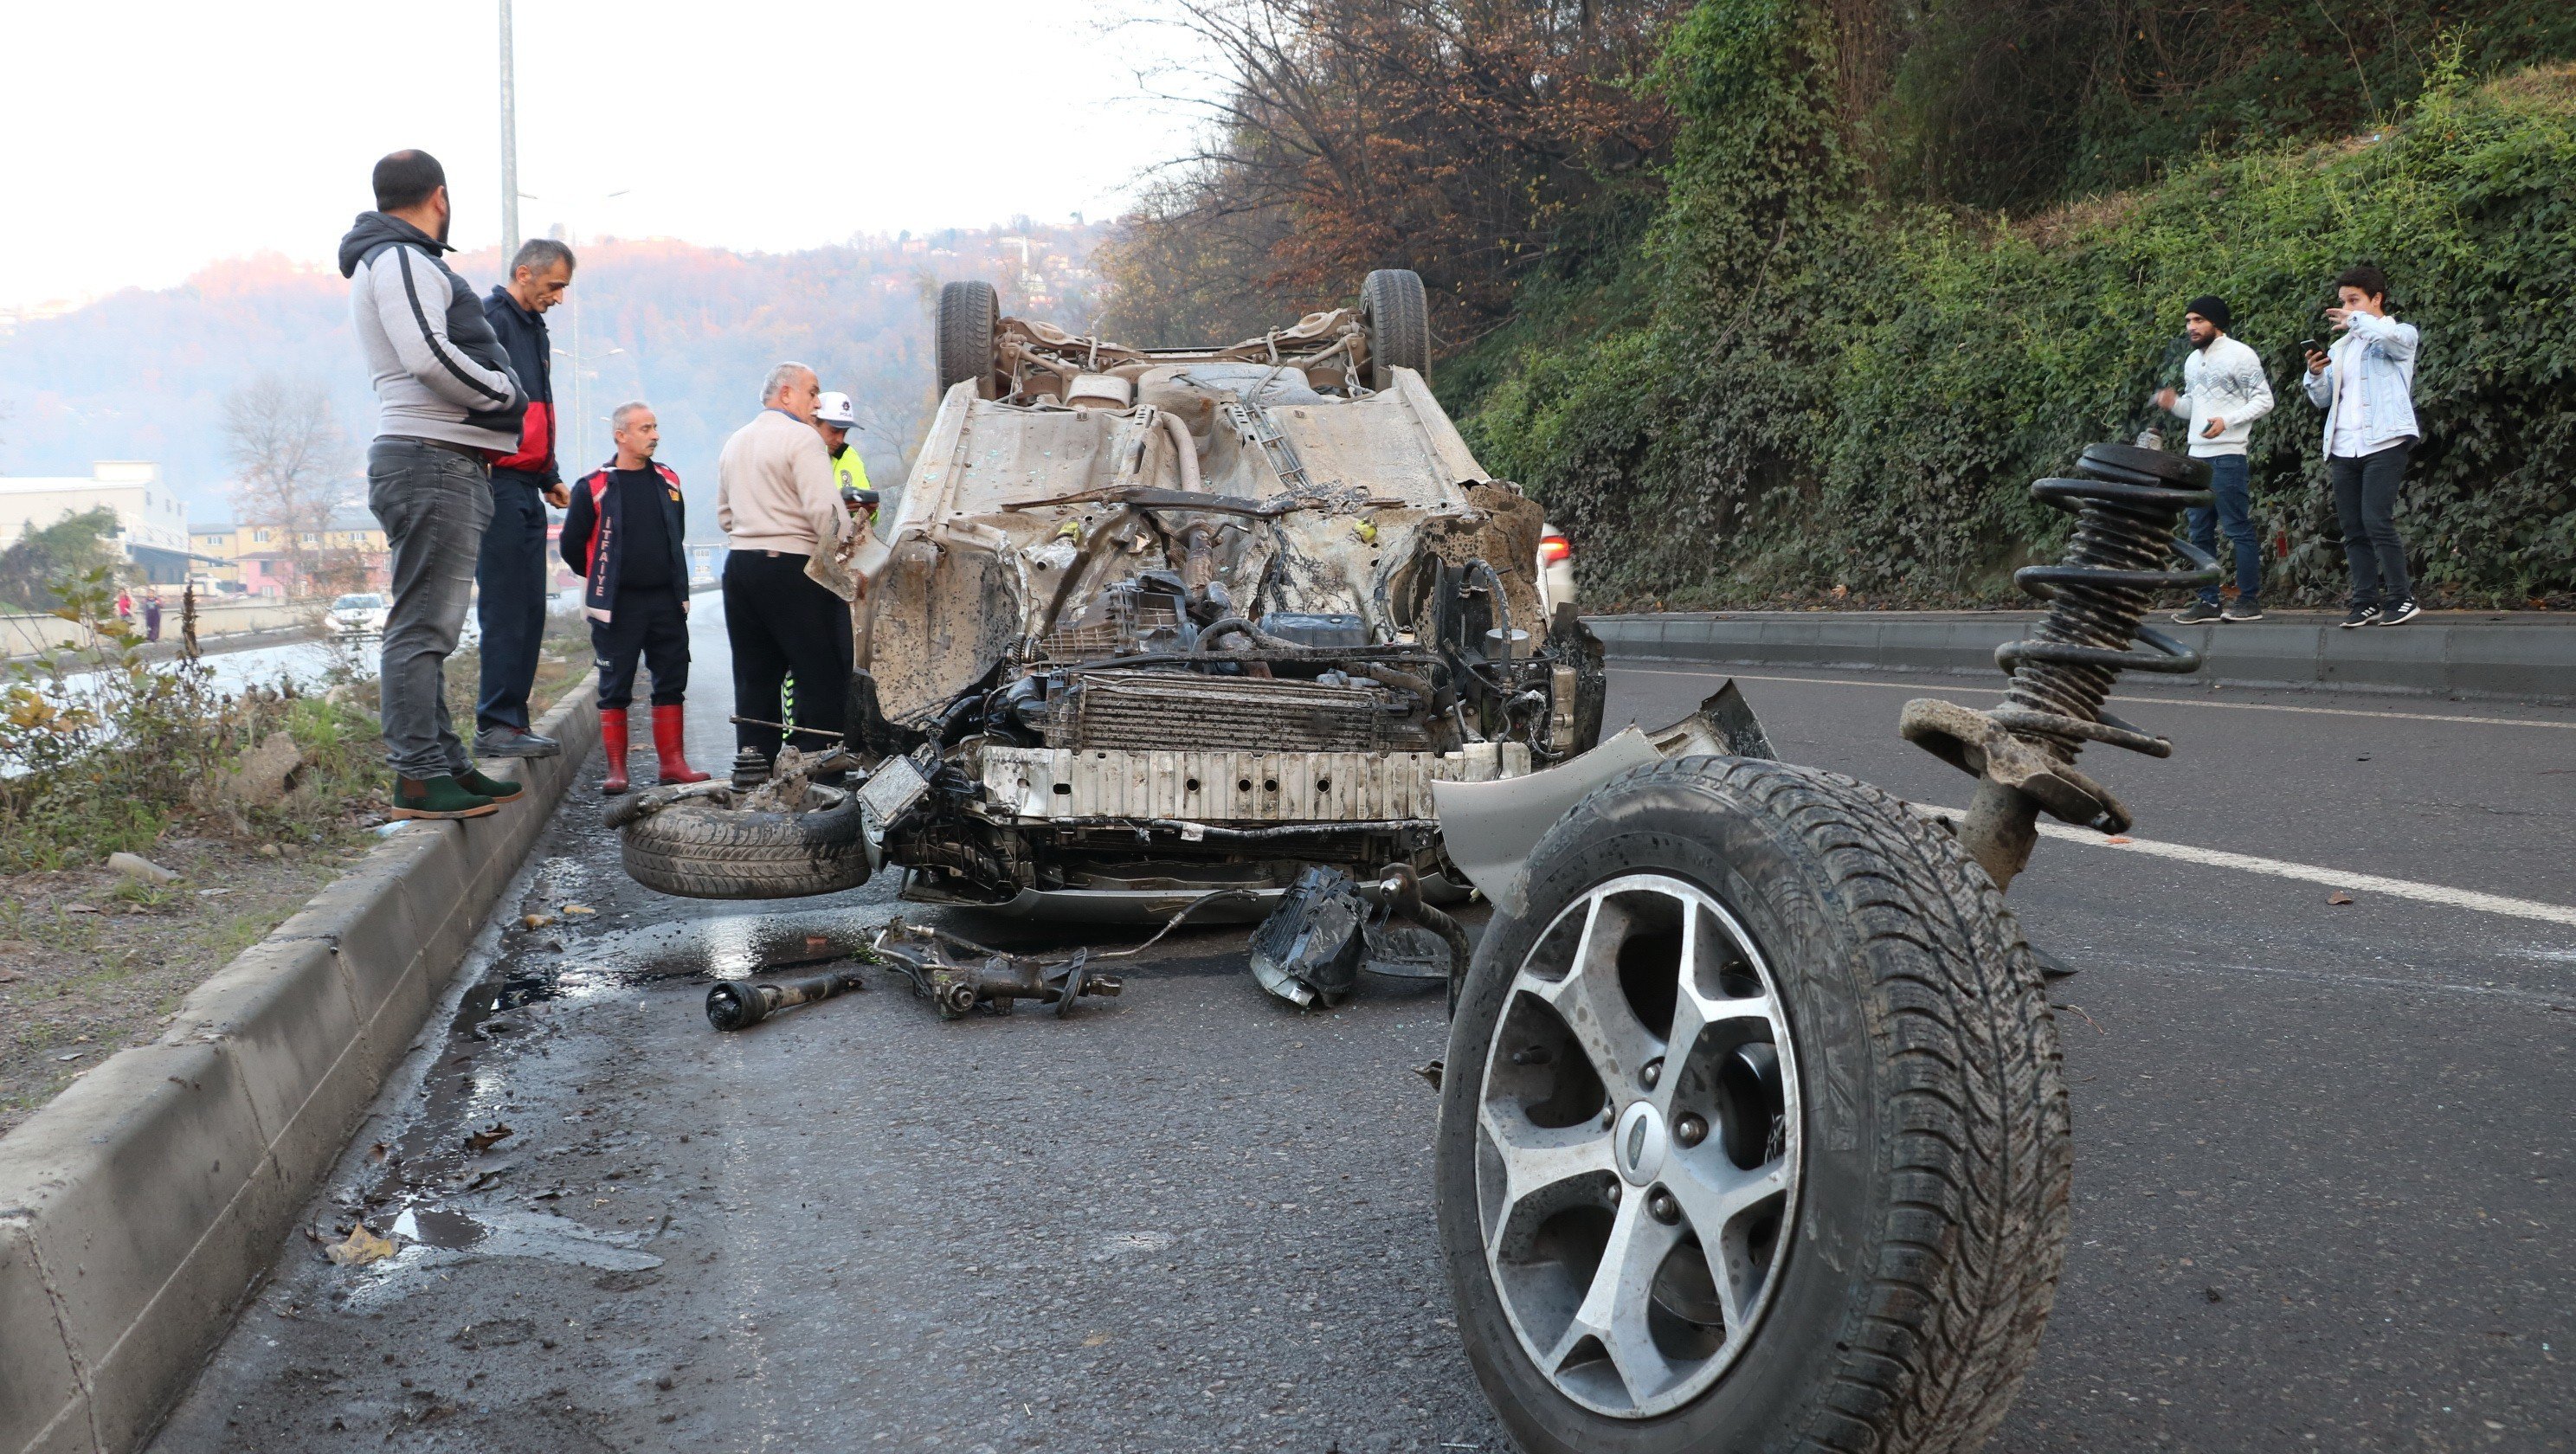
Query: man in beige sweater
(779,505)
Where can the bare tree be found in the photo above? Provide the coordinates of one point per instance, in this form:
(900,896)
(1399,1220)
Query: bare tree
(293,469)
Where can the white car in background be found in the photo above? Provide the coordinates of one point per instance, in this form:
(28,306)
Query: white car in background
(1555,570)
(360,613)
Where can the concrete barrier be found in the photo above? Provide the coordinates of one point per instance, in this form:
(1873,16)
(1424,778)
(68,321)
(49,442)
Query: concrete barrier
(2513,655)
(23,635)
(140,1208)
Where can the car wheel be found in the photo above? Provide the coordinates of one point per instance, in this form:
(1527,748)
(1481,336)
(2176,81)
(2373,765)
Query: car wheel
(695,844)
(1754,1137)
(968,314)
(1397,314)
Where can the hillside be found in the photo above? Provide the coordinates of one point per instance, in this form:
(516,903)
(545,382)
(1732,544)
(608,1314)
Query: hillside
(143,374)
(1829,395)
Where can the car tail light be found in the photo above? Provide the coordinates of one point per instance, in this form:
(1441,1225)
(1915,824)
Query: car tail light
(1553,547)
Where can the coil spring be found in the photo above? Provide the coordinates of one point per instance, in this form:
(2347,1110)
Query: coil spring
(2125,503)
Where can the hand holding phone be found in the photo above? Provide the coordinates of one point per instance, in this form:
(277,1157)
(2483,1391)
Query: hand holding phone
(2213,429)
(2315,353)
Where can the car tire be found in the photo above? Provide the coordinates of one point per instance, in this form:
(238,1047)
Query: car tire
(693,844)
(1909,1147)
(968,315)
(1397,314)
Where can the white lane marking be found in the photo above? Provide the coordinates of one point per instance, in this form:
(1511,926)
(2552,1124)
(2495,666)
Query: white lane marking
(2374,981)
(2358,883)
(2151,701)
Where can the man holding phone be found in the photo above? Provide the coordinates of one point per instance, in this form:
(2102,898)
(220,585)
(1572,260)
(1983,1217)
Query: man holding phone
(2366,385)
(2224,391)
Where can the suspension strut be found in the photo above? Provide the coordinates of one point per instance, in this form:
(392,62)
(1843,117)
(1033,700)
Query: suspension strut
(2125,500)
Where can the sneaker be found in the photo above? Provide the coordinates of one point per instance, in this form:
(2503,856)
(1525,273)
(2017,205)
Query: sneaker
(499,790)
(2399,614)
(511,742)
(438,797)
(2241,611)
(2360,616)
(2198,613)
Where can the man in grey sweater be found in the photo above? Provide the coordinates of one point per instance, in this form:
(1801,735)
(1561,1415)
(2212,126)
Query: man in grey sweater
(448,405)
(2224,391)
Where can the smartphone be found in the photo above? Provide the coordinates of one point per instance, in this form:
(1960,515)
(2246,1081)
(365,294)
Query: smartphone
(2308,346)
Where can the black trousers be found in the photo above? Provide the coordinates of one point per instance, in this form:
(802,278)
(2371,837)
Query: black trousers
(2365,495)
(779,621)
(511,607)
(647,625)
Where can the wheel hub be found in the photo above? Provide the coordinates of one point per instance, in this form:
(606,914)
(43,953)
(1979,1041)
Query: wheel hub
(1642,1141)
(1635,1262)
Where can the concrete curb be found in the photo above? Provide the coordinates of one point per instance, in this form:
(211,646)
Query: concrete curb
(2451,653)
(142,1205)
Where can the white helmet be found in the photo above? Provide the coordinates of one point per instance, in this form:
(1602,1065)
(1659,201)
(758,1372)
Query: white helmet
(837,411)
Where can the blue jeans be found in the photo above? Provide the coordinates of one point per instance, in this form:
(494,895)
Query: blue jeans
(512,607)
(2234,514)
(433,504)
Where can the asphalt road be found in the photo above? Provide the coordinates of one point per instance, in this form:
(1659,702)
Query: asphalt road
(2322,1180)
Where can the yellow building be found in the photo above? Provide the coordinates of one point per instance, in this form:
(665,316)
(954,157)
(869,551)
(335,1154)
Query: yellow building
(263,560)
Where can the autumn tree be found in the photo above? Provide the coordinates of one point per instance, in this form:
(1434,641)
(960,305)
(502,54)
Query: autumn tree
(292,471)
(1465,139)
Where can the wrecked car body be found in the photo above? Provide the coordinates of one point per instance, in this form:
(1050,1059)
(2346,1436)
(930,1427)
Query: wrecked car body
(1150,624)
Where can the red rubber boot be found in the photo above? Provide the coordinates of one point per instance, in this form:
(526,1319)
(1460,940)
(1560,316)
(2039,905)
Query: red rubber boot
(612,740)
(668,741)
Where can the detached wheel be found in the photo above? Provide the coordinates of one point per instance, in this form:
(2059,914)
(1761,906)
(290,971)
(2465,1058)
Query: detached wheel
(968,314)
(702,847)
(1397,315)
(1753,1137)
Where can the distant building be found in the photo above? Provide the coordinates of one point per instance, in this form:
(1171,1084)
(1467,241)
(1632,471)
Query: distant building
(151,522)
(348,554)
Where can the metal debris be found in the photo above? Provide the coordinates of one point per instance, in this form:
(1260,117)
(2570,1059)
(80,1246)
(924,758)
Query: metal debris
(734,1004)
(1329,929)
(988,979)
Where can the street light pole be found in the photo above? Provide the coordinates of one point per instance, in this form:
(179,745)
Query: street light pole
(509,145)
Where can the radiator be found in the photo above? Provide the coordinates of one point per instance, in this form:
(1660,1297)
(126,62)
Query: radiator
(1186,710)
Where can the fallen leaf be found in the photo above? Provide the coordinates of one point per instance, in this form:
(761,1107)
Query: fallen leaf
(1095,1340)
(579,909)
(487,1138)
(362,1248)
(535,921)
(2338,897)
(75,1055)
(78,909)
(7,975)
(2116,838)
(376,1152)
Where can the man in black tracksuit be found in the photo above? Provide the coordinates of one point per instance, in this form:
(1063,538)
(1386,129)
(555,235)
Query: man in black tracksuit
(623,534)
(512,570)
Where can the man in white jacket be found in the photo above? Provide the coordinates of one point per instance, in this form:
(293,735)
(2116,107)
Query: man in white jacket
(2366,385)
(447,406)
(780,506)
(2224,391)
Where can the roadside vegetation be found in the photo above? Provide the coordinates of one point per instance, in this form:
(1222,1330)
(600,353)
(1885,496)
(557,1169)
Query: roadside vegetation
(1794,307)
(242,804)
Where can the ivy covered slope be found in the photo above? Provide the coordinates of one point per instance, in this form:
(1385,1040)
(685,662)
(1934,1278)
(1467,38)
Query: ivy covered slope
(1816,388)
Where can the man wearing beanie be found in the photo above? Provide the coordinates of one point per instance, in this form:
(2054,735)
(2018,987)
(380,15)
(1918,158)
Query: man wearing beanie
(2223,393)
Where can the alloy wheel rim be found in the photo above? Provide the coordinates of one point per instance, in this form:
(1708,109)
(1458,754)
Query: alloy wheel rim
(1638,1146)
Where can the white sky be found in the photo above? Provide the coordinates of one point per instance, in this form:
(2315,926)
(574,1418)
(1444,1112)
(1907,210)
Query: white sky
(147,139)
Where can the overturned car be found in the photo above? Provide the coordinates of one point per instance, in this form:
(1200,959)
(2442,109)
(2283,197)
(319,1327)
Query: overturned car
(1151,623)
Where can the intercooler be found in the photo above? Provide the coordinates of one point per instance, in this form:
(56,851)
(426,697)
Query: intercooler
(1185,710)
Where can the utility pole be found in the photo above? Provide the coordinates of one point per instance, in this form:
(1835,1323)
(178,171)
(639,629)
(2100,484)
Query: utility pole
(509,145)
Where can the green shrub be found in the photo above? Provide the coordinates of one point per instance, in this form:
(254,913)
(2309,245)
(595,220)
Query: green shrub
(1833,391)
(103,748)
